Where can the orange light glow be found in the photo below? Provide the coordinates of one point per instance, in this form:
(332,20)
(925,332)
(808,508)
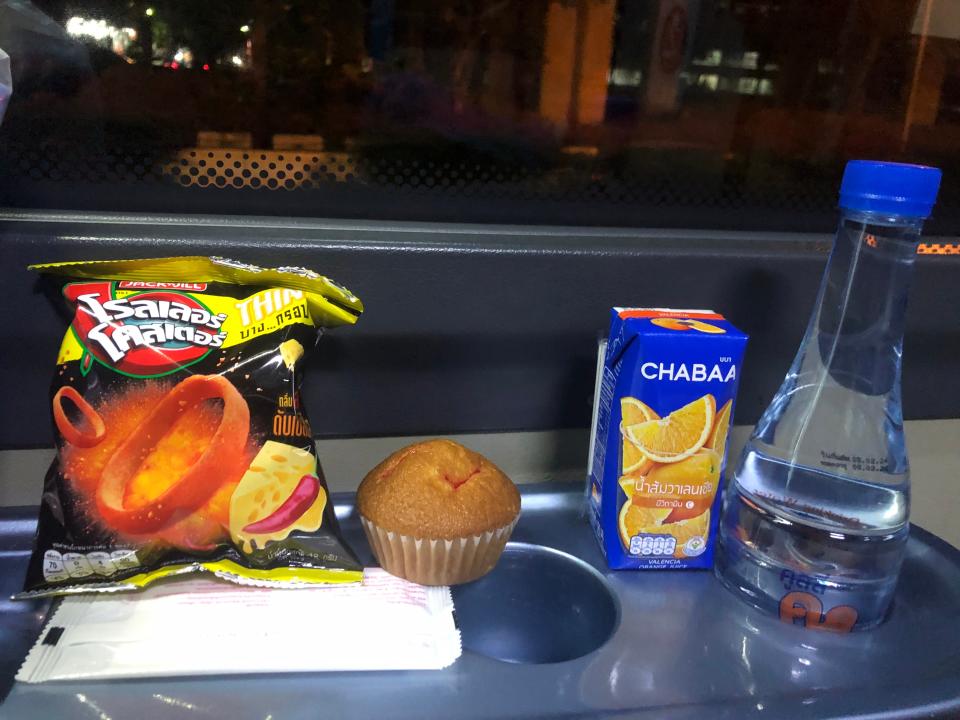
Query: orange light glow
(938,249)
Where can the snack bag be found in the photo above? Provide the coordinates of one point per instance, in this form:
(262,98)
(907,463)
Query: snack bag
(666,384)
(182,441)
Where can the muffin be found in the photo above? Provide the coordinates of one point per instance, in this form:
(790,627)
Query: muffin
(436,513)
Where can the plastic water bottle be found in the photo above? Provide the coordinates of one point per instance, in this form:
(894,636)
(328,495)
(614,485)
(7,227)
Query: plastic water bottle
(815,520)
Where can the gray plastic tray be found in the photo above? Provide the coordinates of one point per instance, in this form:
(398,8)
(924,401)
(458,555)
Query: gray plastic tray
(669,644)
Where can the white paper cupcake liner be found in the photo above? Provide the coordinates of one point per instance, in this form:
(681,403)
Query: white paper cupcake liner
(437,562)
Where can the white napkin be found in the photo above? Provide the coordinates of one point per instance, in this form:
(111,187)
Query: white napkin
(208,627)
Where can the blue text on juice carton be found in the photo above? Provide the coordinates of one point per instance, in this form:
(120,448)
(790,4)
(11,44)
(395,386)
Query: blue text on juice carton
(666,384)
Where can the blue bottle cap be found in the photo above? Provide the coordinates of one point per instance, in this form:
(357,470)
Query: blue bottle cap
(891,188)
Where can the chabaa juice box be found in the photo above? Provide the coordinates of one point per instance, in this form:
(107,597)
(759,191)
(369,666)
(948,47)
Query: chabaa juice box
(666,384)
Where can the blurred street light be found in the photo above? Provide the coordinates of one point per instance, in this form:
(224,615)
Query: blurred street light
(244,28)
(97,29)
(149,12)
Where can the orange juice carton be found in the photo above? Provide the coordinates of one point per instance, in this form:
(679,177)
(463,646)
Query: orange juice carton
(663,405)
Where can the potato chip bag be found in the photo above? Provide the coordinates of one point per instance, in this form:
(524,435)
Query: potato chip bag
(182,440)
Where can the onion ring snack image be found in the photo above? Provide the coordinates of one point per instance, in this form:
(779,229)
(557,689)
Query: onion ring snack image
(67,429)
(182,440)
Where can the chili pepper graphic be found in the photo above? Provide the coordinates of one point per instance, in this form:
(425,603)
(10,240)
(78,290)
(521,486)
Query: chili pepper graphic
(290,510)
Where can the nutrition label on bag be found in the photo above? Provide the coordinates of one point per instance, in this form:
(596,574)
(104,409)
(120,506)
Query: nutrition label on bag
(58,567)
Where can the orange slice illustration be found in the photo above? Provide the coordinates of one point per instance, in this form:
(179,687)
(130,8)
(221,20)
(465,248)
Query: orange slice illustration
(632,412)
(721,427)
(677,436)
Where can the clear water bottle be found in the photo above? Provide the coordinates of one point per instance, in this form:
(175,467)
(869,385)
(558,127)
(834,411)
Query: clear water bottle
(815,518)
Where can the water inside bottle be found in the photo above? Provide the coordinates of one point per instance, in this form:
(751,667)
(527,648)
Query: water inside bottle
(785,556)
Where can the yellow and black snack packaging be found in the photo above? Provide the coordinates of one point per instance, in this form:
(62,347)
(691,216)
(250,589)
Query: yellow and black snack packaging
(182,440)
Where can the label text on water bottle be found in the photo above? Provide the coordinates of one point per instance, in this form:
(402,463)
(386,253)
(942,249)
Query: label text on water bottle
(806,609)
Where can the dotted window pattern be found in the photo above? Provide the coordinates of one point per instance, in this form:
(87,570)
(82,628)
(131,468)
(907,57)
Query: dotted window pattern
(938,249)
(576,180)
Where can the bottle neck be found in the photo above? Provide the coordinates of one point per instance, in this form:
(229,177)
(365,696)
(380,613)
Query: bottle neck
(907,226)
(863,299)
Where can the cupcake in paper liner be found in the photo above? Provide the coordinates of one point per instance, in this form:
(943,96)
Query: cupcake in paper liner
(437,513)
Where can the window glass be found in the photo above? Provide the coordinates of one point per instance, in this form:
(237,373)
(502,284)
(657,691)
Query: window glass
(731,114)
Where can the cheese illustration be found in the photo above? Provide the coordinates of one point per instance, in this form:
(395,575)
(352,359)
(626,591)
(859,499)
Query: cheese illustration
(290,352)
(268,483)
